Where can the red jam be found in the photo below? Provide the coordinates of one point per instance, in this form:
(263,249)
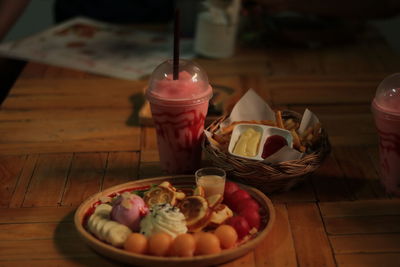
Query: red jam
(272,145)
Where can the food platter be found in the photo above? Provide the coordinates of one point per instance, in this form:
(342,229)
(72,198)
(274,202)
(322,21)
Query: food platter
(85,209)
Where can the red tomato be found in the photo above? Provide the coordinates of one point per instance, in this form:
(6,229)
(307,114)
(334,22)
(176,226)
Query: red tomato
(230,188)
(252,217)
(240,224)
(238,197)
(248,204)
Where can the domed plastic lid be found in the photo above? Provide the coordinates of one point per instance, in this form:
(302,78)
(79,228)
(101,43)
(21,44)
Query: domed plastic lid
(191,88)
(387,95)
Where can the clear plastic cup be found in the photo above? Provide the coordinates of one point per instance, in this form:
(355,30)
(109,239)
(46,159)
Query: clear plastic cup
(179,108)
(386,111)
(212,179)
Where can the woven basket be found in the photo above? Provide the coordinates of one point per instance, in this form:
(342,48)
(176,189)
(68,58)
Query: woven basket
(269,178)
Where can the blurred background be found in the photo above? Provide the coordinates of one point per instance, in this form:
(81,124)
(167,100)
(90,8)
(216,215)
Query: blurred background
(39,16)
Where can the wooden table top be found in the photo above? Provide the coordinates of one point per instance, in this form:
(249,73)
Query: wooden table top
(65,135)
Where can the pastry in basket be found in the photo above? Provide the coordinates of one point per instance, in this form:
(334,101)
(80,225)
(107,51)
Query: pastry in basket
(163,193)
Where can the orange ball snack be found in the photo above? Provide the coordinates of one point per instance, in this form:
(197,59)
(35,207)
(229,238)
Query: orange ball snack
(227,236)
(136,243)
(183,245)
(159,244)
(207,243)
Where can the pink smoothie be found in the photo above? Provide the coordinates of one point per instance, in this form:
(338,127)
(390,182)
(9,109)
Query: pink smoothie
(179,108)
(386,112)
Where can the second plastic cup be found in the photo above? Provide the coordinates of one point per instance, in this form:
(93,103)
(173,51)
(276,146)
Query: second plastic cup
(386,111)
(179,108)
(212,179)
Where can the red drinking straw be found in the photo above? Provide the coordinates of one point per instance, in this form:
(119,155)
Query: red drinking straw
(176,46)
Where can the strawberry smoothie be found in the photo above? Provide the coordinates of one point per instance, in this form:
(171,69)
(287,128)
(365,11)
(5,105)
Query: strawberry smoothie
(179,108)
(386,110)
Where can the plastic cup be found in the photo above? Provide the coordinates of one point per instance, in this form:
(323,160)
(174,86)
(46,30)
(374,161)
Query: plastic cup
(216,29)
(386,111)
(179,108)
(210,35)
(212,179)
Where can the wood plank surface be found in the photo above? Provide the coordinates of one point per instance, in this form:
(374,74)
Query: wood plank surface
(72,94)
(47,184)
(246,260)
(18,196)
(362,224)
(340,110)
(373,153)
(87,116)
(337,60)
(43,249)
(148,139)
(360,208)
(361,175)
(277,249)
(244,62)
(259,83)
(350,129)
(149,157)
(310,240)
(106,114)
(10,171)
(303,192)
(329,182)
(121,167)
(68,130)
(150,165)
(84,177)
(86,260)
(77,136)
(36,214)
(292,60)
(322,92)
(368,243)
(369,260)
(35,231)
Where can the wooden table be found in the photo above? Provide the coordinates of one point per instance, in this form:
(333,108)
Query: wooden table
(65,135)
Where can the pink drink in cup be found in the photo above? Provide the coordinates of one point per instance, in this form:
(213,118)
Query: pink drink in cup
(386,111)
(179,108)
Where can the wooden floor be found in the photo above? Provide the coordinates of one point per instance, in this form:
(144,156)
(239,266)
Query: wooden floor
(65,135)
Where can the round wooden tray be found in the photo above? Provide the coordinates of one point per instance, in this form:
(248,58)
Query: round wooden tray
(147,260)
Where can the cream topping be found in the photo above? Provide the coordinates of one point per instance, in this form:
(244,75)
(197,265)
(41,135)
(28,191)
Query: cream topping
(163,218)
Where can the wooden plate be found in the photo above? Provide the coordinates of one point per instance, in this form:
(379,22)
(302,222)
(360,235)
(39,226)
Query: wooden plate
(85,209)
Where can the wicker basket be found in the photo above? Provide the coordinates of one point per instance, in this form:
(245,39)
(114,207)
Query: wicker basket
(269,178)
